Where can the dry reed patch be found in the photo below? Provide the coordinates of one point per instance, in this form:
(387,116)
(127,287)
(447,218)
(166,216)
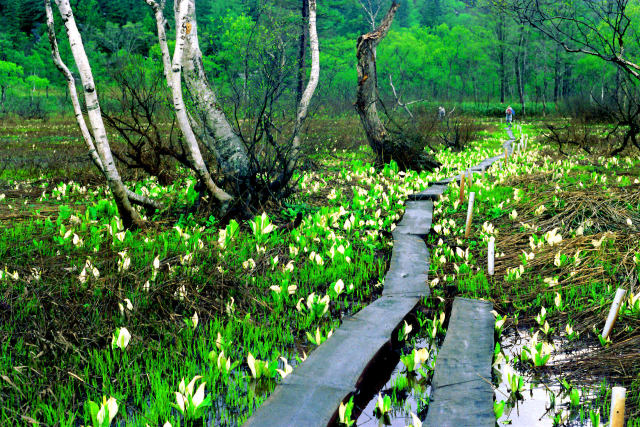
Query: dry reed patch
(600,237)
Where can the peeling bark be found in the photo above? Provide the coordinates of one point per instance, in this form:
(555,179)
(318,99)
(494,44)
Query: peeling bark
(130,217)
(86,135)
(314,76)
(174,80)
(218,135)
(403,152)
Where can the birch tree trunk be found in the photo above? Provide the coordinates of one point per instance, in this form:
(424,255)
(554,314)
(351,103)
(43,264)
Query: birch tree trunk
(218,135)
(210,121)
(86,135)
(130,217)
(174,81)
(162,37)
(404,153)
(314,76)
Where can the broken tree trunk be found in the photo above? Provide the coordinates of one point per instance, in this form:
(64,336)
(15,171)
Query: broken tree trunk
(387,148)
(130,217)
(86,135)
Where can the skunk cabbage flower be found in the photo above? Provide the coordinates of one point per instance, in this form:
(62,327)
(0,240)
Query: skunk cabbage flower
(287,368)
(121,338)
(103,414)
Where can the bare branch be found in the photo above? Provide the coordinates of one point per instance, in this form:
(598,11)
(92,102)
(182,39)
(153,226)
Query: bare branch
(400,103)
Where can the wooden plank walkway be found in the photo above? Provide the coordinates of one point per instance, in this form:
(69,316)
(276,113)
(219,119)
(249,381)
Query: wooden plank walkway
(311,394)
(462,394)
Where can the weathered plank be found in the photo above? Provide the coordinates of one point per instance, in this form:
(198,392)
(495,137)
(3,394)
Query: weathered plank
(462,394)
(417,218)
(431,193)
(311,394)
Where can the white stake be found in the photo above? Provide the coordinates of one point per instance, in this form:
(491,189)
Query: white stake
(472,198)
(613,312)
(616,419)
(491,255)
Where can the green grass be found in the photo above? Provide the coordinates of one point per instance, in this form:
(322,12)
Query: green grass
(58,322)
(582,203)
(70,271)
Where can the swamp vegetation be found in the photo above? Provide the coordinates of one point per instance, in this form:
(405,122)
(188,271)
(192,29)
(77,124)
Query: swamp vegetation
(255,209)
(198,297)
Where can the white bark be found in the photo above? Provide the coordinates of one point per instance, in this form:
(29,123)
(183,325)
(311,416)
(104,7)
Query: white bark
(71,85)
(174,80)
(613,312)
(162,37)
(218,135)
(129,216)
(314,76)
(73,94)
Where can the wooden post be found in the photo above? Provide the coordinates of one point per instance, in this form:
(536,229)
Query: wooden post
(462,180)
(616,419)
(506,156)
(491,256)
(472,198)
(613,312)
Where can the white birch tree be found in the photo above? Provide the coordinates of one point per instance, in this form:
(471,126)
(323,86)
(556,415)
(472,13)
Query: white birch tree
(217,134)
(73,94)
(130,217)
(314,76)
(174,81)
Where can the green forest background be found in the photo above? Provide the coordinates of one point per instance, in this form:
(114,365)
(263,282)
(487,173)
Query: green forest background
(465,53)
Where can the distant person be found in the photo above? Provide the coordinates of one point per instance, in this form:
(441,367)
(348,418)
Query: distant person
(441,113)
(510,115)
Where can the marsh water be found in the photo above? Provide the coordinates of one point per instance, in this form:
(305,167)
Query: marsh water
(413,399)
(544,401)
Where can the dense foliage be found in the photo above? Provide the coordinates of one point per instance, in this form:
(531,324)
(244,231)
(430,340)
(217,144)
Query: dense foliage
(195,318)
(438,50)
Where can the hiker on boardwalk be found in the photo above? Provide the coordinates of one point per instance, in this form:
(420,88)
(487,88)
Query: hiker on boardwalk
(441,113)
(509,112)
